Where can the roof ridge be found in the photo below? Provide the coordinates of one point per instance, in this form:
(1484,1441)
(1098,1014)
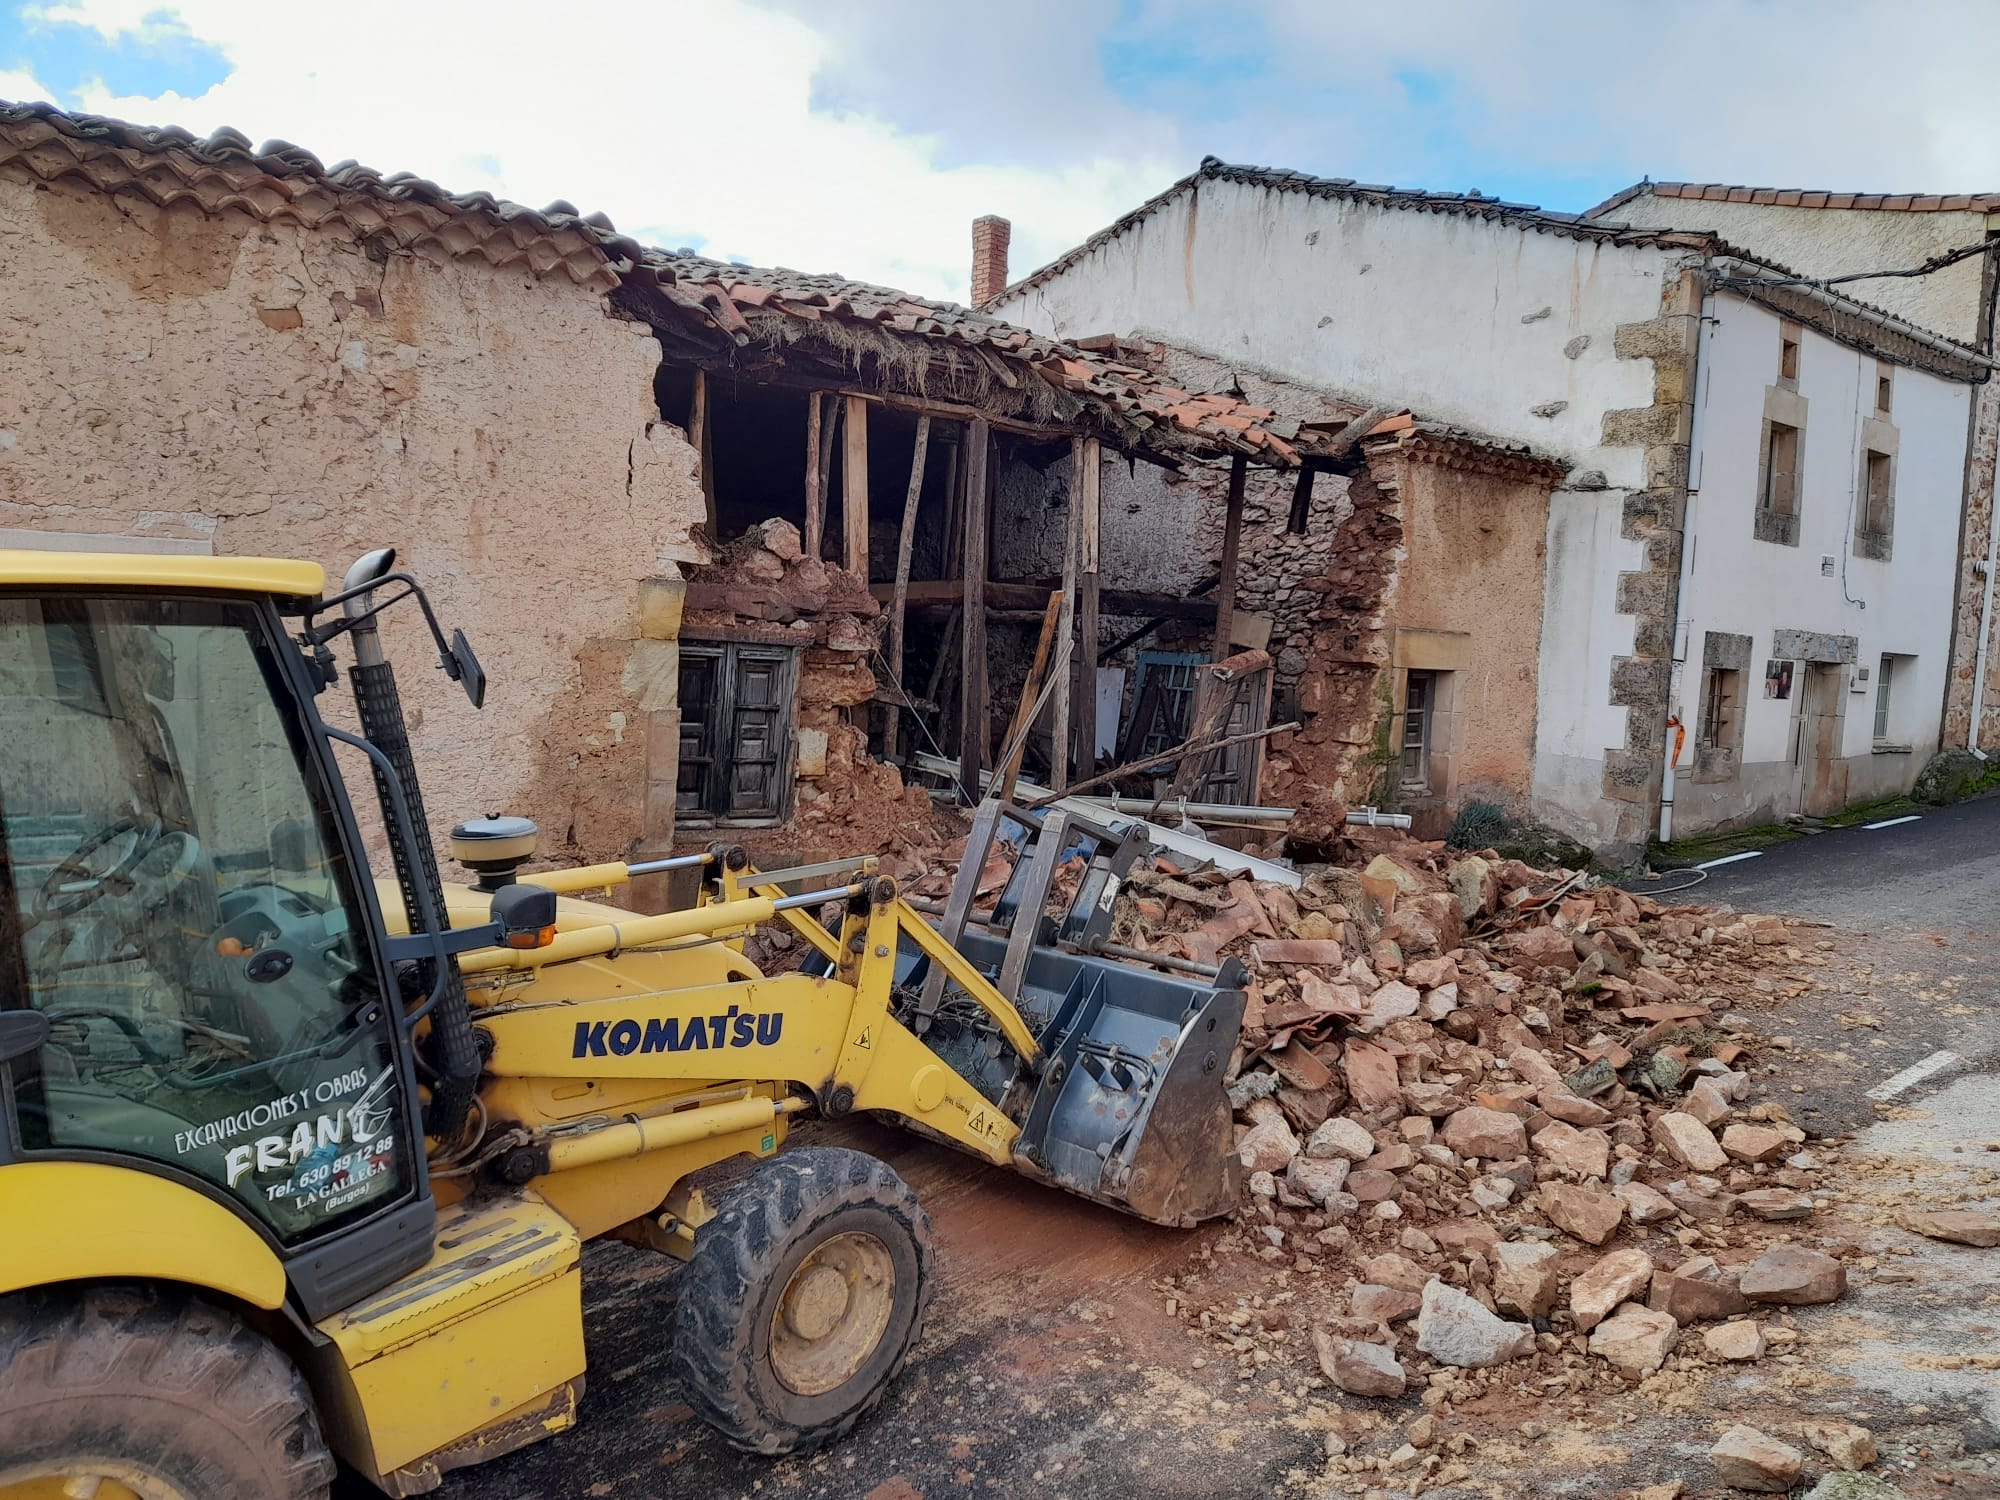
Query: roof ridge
(1473,203)
(1735,192)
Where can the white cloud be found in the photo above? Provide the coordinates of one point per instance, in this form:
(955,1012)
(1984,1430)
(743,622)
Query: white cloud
(863,136)
(682,122)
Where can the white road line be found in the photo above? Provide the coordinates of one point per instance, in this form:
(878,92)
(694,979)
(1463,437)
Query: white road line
(1730,859)
(1892,822)
(1915,1074)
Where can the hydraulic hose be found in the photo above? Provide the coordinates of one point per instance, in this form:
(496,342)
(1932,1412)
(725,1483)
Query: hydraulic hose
(380,709)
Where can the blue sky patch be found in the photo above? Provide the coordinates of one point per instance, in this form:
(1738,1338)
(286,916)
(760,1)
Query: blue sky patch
(163,56)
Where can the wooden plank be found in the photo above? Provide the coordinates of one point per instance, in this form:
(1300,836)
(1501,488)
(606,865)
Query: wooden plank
(899,602)
(1232,541)
(1016,744)
(829,430)
(854,491)
(1059,741)
(972,726)
(815,479)
(1302,499)
(698,425)
(1087,601)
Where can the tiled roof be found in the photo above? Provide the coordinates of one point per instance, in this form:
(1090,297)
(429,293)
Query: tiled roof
(1525,216)
(1729,192)
(282,182)
(1146,409)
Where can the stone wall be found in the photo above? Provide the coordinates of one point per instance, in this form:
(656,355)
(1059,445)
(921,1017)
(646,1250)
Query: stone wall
(268,389)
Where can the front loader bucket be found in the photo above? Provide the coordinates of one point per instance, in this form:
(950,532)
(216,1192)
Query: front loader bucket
(1130,1108)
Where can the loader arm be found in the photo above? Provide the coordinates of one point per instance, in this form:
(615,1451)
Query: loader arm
(832,1035)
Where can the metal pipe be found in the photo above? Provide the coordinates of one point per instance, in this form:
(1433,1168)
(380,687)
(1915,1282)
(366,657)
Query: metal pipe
(678,862)
(1158,960)
(1985,631)
(614,872)
(646,932)
(636,1137)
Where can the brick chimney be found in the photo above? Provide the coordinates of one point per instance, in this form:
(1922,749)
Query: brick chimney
(990,234)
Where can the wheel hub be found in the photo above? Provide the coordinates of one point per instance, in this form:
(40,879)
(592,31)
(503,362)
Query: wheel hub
(833,1313)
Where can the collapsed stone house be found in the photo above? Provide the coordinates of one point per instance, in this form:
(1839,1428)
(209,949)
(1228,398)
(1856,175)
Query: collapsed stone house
(677,502)
(1719,578)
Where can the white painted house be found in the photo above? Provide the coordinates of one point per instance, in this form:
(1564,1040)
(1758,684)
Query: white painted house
(1677,378)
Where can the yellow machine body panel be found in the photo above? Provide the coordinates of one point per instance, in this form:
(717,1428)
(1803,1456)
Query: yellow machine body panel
(21,567)
(92,1221)
(485,1339)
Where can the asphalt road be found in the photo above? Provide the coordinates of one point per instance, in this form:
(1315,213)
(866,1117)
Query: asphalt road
(1941,871)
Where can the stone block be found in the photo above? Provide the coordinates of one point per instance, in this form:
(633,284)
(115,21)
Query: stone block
(661,601)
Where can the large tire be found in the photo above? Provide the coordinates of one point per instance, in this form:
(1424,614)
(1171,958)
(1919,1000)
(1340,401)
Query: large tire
(804,1244)
(172,1397)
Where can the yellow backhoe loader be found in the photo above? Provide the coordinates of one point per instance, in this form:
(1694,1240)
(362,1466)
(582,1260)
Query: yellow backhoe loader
(296,1165)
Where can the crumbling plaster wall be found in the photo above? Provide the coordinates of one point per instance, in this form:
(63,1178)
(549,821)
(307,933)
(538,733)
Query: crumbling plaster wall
(273,390)
(1469,601)
(1835,241)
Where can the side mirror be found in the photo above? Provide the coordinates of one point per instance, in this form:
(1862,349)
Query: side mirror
(465,668)
(23,1033)
(525,915)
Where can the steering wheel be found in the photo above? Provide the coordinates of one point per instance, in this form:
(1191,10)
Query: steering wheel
(73,885)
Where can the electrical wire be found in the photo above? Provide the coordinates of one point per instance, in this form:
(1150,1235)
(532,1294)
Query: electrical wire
(1936,263)
(1649,889)
(936,748)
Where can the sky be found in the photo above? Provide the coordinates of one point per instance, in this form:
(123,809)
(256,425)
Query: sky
(862,137)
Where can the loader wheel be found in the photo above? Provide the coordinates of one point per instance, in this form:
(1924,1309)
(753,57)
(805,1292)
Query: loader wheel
(803,1299)
(131,1391)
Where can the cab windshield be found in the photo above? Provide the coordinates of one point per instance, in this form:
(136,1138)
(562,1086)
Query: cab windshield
(174,896)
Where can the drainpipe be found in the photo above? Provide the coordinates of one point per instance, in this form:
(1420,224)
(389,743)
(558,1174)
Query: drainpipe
(1985,631)
(1675,732)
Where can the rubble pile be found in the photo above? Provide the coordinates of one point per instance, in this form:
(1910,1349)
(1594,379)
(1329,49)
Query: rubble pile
(1500,1120)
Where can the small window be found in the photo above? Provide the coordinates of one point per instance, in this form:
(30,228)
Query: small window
(736,730)
(1419,695)
(1884,687)
(1885,390)
(1878,474)
(1721,707)
(1778,493)
(1788,357)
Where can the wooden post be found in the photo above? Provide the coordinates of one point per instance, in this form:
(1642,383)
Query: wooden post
(900,598)
(1086,607)
(1059,740)
(1016,746)
(854,495)
(1232,540)
(698,432)
(815,479)
(829,428)
(972,726)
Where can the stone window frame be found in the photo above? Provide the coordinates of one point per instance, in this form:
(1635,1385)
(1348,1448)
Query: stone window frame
(1784,407)
(1791,350)
(1879,438)
(1440,656)
(1722,652)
